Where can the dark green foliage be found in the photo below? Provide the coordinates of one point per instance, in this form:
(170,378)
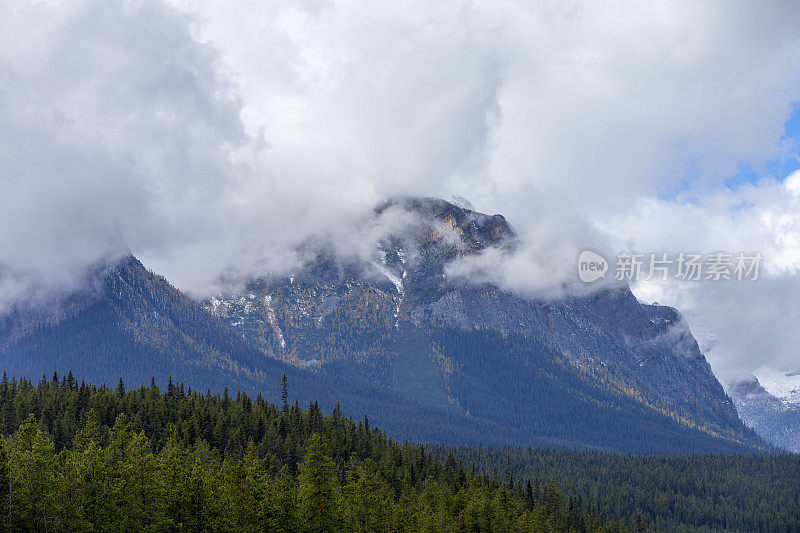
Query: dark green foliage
(94,458)
(535,389)
(318,490)
(5,483)
(736,492)
(425,382)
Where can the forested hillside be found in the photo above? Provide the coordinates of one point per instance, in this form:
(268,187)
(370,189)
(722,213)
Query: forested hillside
(598,370)
(427,382)
(730,492)
(78,456)
(138,326)
(537,389)
(87,458)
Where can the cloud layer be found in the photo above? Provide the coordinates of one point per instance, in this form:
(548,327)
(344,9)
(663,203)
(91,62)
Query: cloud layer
(213,137)
(741,325)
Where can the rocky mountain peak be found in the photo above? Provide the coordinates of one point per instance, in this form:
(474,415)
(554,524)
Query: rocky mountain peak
(439,219)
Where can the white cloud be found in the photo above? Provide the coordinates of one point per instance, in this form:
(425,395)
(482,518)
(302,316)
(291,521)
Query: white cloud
(215,136)
(741,325)
(116,128)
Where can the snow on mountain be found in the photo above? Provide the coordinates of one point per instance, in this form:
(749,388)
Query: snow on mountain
(784,385)
(774,419)
(398,318)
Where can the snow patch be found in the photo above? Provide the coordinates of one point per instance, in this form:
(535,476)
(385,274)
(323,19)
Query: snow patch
(784,385)
(396,280)
(398,284)
(273,321)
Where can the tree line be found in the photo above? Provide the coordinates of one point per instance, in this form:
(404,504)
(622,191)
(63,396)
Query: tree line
(676,492)
(79,457)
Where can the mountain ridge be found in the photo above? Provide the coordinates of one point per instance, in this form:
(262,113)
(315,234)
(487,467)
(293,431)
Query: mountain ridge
(775,419)
(343,333)
(645,352)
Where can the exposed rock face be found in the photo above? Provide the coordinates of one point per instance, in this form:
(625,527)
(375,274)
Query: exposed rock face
(646,347)
(305,315)
(353,316)
(775,419)
(390,335)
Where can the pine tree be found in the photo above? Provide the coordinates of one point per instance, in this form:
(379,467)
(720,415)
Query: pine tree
(284,393)
(140,497)
(284,505)
(318,498)
(175,479)
(529,495)
(508,474)
(31,464)
(5,486)
(84,493)
(368,500)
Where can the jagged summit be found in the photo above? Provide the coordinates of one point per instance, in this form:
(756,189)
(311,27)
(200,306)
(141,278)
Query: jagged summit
(396,318)
(476,230)
(391,336)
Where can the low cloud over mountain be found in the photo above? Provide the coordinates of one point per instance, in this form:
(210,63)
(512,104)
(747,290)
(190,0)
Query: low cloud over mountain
(214,144)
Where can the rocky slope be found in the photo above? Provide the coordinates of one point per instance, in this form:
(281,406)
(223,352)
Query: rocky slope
(775,417)
(130,323)
(390,335)
(385,317)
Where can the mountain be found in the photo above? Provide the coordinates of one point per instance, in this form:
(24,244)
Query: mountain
(774,412)
(130,323)
(392,335)
(604,370)
(127,322)
(783,385)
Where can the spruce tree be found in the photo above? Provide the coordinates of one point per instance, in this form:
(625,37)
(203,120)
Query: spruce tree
(284,393)
(5,487)
(318,491)
(284,504)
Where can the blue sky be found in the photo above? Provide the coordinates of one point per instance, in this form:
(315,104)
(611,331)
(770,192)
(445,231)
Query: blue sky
(214,137)
(781,165)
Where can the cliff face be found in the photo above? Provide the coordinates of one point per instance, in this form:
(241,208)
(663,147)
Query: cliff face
(638,347)
(776,419)
(390,335)
(384,318)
